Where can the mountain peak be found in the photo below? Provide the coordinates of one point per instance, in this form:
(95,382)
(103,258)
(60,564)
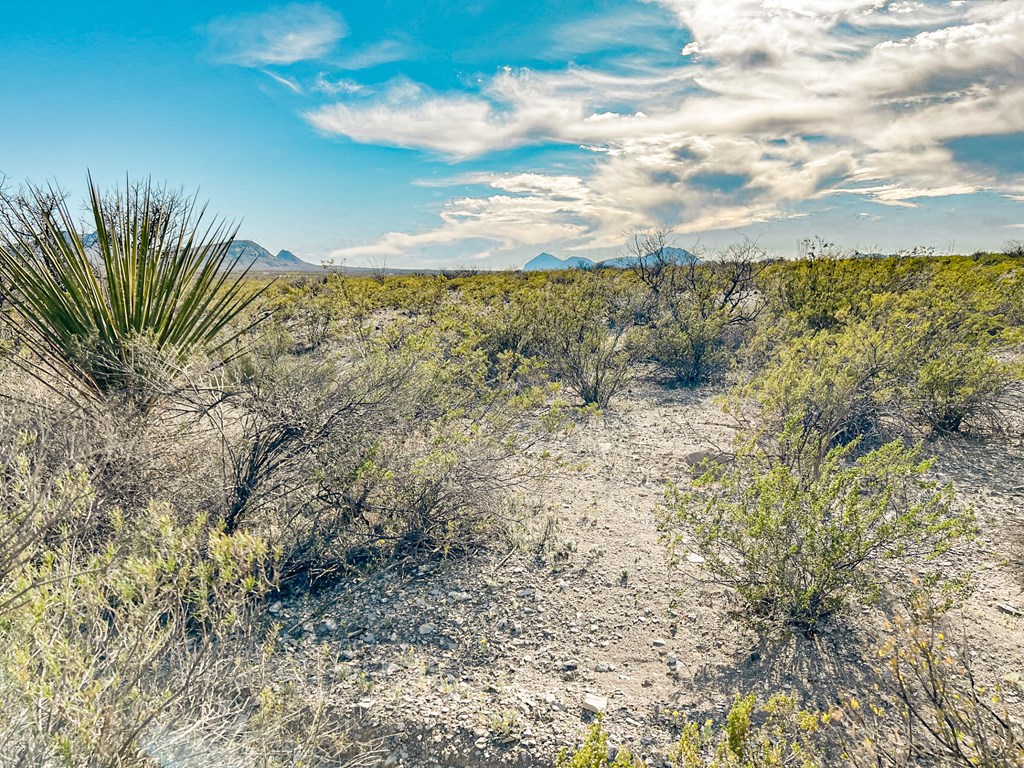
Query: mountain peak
(545,261)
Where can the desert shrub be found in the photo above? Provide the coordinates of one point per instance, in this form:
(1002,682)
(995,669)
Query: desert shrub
(408,445)
(120,313)
(772,735)
(586,335)
(823,389)
(784,736)
(704,311)
(1013,248)
(928,707)
(594,752)
(797,541)
(103,640)
(951,352)
(927,361)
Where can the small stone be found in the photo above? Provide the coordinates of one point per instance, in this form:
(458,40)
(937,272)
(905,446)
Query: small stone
(658,643)
(1009,610)
(604,666)
(276,607)
(694,558)
(461,597)
(329,625)
(426,629)
(672,661)
(528,592)
(594,703)
(570,666)
(392,669)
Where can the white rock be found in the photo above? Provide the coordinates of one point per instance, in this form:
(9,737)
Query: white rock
(594,703)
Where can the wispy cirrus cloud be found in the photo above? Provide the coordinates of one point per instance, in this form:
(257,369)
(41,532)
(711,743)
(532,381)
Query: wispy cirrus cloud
(772,104)
(282,35)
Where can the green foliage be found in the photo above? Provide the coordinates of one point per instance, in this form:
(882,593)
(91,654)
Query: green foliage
(936,358)
(585,331)
(703,311)
(776,734)
(930,708)
(594,753)
(784,737)
(103,640)
(118,317)
(798,541)
(408,442)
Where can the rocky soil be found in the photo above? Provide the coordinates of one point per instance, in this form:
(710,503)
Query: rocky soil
(502,658)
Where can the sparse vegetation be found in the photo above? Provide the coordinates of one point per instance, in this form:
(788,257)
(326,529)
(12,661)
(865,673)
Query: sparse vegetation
(186,451)
(797,540)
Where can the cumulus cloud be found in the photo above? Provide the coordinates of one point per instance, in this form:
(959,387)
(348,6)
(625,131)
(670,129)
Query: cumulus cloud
(282,35)
(772,103)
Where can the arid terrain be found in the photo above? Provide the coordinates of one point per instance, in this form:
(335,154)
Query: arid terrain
(491,659)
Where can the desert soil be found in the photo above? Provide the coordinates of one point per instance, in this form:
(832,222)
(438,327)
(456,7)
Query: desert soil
(496,659)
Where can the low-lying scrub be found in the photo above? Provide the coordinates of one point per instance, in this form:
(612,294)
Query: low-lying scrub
(797,540)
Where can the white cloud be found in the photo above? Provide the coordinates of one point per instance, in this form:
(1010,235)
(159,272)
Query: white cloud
(375,54)
(324,84)
(287,82)
(776,102)
(282,35)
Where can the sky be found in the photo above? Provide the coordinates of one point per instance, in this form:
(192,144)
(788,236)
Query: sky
(429,133)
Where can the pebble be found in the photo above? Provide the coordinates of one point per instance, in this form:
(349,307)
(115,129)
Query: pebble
(426,629)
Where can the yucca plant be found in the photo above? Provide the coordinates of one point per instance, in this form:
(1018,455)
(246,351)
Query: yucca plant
(117,312)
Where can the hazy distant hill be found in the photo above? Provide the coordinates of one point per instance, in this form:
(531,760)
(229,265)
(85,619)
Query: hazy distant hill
(261,260)
(248,253)
(545,261)
(677,255)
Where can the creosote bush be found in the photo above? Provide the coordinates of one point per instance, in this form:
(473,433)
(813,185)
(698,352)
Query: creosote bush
(928,707)
(798,540)
(587,337)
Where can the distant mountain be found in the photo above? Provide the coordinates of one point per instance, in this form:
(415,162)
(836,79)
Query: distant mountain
(545,261)
(247,252)
(259,259)
(676,255)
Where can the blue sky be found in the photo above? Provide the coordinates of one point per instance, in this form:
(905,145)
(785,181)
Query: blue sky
(479,133)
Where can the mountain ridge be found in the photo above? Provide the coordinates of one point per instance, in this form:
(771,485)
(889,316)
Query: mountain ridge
(547,262)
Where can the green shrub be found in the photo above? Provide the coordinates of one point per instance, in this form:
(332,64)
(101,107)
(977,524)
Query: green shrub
(928,707)
(823,389)
(410,444)
(704,312)
(594,752)
(587,337)
(797,541)
(104,641)
(783,737)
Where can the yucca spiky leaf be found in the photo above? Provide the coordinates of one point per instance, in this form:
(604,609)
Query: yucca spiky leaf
(156,276)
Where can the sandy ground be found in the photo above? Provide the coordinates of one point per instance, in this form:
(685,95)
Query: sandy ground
(489,660)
